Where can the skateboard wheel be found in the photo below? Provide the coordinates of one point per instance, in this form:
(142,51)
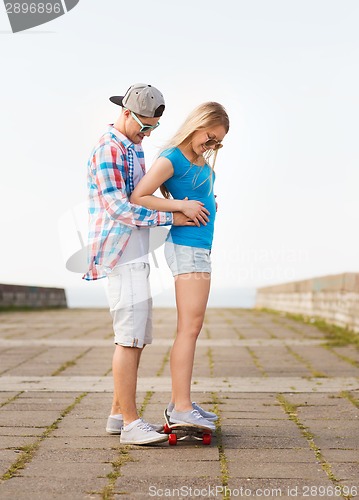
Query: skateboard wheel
(172,439)
(207,438)
(166,429)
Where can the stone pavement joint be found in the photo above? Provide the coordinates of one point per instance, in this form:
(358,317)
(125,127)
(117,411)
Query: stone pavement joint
(200,384)
(281,429)
(164,342)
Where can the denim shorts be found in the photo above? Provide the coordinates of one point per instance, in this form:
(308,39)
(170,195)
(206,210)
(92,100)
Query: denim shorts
(183,259)
(130,301)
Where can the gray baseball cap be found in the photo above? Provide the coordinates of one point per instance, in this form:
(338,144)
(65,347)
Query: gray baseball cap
(142,99)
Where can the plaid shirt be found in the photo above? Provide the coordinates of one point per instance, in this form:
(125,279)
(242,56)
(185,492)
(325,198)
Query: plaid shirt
(111,215)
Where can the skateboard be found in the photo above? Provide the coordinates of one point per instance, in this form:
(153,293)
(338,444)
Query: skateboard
(180,432)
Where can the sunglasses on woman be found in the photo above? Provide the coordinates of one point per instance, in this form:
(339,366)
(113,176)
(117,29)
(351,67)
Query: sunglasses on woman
(213,143)
(144,128)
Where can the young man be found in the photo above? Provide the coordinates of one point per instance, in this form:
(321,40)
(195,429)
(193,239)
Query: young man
(118,248)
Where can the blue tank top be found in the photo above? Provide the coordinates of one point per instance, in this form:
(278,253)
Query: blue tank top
(197,184)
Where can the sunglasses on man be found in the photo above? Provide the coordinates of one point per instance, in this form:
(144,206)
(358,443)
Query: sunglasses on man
(144,128)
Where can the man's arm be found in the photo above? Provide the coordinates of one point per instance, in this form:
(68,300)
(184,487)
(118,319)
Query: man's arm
(109,178)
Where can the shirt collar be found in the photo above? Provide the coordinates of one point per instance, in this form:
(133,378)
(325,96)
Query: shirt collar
(121,137)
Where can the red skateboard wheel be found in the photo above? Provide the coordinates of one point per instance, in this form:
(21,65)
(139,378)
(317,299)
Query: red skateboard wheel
(207,438)
(172,439)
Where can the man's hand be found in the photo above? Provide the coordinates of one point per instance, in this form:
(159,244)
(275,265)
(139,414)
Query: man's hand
(195,211)
(180,219)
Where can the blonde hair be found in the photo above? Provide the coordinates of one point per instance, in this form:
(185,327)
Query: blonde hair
(206,115)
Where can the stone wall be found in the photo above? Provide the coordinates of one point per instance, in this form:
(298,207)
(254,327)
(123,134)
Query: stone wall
(334,298)
(31,296)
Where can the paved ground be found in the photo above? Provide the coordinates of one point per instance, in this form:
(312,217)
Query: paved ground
(288,407)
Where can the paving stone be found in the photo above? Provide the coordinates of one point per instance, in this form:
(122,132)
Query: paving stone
(72,445)
(38,488)
(66,397)
(347,351)
(309,471)
(31,406)
(340,456)
(166,486)
(33,418)
(42,361)
(87,428)
(7,458)
(263,431)
(277,487)
(65,470)
(16,442)
(327,432)
(346,471)
(271,456)
(6,396)
(60,455)
(80,442)
(170,468)
(335,442)
(351,487)
(181,452)
(324,361)
(21,431)
(236,441)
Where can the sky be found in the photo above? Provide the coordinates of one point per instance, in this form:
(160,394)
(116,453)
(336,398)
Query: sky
(286,179)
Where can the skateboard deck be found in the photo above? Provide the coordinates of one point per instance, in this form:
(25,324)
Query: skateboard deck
(181,432)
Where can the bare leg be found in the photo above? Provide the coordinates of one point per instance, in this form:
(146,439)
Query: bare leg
(192,292)
(124,369)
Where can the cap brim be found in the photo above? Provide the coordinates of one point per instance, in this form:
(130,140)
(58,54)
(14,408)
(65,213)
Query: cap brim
(117,100)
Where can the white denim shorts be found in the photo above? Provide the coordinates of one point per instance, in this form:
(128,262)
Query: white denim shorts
(130,302)
(182,259)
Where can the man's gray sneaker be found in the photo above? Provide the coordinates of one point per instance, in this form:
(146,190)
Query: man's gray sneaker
(140,432)
(191,418)
(114,426)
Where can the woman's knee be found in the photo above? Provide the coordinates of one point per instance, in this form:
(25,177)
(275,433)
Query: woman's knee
(191,330)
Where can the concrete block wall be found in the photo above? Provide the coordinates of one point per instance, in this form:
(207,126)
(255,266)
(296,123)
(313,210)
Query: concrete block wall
(334,298)
(31,296)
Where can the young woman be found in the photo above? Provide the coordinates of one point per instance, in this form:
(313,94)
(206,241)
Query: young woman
(184,171)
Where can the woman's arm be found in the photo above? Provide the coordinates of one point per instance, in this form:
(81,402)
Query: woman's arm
(160,172)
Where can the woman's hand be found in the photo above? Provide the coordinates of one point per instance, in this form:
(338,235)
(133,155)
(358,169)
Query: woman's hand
(196,211)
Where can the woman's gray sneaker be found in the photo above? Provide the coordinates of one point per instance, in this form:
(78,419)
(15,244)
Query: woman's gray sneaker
(209,415)
(212,417)
(191,418)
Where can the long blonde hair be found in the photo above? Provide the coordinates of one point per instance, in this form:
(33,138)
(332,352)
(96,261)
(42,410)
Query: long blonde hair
(206,115)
